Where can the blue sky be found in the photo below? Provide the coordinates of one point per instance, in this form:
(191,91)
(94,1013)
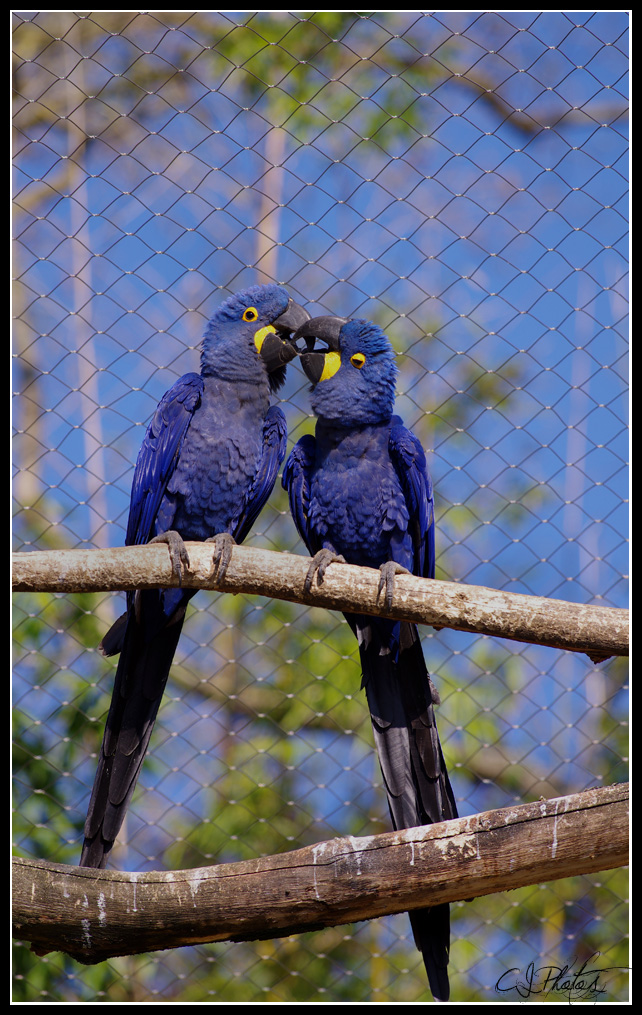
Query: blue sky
(462,178)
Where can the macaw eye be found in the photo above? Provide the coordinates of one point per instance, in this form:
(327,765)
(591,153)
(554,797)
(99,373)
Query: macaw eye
(358,360)
(251,314)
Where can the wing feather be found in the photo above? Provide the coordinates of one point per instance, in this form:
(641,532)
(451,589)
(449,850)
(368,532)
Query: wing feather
(158,455)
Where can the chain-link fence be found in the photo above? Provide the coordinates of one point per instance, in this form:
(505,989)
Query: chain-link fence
(459,177)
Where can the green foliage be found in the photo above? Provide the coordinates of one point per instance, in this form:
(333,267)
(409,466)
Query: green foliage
(264,712)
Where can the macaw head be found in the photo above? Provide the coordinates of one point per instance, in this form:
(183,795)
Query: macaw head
(249,336)
(353,378)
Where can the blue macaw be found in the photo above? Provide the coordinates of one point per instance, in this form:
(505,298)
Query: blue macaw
(206,467)
(360,493)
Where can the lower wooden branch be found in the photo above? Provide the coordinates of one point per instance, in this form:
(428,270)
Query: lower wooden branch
(94,915)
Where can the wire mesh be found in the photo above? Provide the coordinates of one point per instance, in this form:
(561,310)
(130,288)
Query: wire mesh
(458,177)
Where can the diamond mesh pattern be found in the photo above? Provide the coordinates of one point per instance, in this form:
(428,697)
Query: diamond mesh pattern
(459,177)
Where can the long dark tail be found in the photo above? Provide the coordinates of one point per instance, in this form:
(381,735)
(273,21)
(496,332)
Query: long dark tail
(146,642)
(400,698)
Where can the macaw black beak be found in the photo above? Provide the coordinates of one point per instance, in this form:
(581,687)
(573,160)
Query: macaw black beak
(326,329)
(277,349)
(293,317)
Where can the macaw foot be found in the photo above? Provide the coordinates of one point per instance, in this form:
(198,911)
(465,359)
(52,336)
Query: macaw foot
(320,562)
(388,572)
(177,552)
(223,546)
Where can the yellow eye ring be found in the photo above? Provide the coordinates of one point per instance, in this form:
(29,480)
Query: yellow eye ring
(358,360)
(250,314)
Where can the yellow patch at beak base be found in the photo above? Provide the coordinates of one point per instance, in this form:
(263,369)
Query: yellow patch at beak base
(332,364)
(260,336)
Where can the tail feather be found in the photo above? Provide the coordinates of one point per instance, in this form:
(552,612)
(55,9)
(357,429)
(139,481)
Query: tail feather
(431,931)
(147,651)
(401,697)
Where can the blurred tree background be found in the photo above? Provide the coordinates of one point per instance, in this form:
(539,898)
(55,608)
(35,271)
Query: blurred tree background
(459,177)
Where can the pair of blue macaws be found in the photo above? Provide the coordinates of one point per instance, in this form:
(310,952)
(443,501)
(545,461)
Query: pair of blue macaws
(359,492)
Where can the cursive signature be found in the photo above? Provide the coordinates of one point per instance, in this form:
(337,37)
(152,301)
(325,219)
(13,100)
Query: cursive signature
(583,983)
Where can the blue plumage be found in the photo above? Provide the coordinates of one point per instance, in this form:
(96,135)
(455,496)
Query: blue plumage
(360,492)
(206,467)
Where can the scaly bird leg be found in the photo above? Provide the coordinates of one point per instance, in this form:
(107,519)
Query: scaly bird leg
(223,546)
(177,552)
(320,562)
(388,572)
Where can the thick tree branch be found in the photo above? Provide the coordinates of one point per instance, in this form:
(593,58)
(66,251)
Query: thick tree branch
(599,631)
(94,915)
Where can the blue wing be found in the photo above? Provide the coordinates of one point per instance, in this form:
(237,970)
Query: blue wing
(275,434)
(409,460)
(296,480)
(158,456)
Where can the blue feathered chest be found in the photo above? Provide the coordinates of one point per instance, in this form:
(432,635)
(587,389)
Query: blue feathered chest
(218,459)
(357,504)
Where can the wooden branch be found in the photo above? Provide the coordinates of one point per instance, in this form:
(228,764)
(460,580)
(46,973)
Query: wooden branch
(94,915)
(599,631)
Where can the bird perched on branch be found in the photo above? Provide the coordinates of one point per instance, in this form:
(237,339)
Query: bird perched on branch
(360,493)
(206,467)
